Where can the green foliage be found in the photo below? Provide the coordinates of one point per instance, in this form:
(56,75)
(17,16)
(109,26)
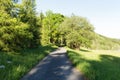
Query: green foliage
(27,11)
(74,40)
(102,42)
(6,5)
(49,29)
(20,31)
(73,31)
(27,14)
(77,31)
(15,38)
(96,65)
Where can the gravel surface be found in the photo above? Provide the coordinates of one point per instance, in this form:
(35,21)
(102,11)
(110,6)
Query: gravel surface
(55,66)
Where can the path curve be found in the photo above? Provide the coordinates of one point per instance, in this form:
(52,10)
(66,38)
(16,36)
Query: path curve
(55,66)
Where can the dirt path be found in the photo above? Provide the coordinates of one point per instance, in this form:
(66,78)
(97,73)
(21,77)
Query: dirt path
(55,66)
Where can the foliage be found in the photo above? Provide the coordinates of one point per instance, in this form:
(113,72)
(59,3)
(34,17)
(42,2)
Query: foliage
(11,37)
(96,65)
(18,25)
(27,14)
(73,31)
(49,29)
(74,40)
(77,31)
(102,42)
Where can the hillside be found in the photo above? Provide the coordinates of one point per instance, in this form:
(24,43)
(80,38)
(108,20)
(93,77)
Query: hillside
(102,42)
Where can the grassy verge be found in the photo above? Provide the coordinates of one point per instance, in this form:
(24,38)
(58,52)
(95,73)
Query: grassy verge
(97,65)
(17,64)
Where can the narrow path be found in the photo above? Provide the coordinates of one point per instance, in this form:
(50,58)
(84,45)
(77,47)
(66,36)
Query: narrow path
(55,66)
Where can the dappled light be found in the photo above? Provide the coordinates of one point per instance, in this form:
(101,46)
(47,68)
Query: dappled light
(55,66)
(21,62)
(29,36)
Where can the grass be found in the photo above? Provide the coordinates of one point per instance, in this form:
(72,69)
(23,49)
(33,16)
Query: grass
(97,64)
(21,62)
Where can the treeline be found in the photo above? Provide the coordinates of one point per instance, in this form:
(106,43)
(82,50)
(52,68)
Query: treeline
(18,25)
(71,31)
(21,28)
(74,32)
(105,43)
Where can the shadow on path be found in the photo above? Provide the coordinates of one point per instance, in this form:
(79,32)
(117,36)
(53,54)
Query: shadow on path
(55,66)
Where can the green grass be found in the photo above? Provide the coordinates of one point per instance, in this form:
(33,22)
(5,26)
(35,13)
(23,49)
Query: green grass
(97,64)
(22,62)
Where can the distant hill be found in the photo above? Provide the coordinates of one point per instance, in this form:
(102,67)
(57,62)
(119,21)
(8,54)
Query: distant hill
(102,42)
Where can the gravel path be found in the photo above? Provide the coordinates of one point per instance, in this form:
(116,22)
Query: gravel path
(55,66)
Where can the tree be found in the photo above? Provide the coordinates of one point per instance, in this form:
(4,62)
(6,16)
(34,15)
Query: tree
(15,32)
(50,24)
(76,31)
(27,14)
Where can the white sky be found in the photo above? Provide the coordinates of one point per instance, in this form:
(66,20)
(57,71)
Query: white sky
(103,14)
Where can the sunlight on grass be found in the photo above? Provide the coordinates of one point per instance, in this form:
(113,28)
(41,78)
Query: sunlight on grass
(21,62)
(97,64)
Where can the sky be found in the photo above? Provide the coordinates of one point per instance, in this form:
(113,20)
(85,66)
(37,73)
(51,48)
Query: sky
(104,15)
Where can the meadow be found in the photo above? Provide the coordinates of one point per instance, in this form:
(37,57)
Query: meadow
(96,64)
(16,64)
